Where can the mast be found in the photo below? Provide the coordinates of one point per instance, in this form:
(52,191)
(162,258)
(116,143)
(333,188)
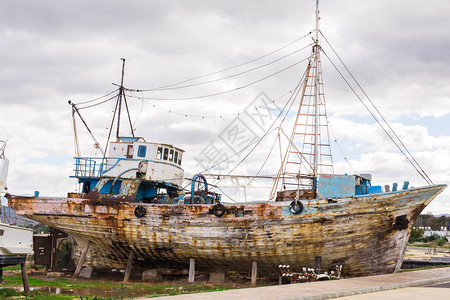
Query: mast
(120,99)
(316,94)
(308,154)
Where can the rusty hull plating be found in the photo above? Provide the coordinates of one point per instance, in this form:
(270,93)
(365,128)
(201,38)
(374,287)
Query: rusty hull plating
(357,232)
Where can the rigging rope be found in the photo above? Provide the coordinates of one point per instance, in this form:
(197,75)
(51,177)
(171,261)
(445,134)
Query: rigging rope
(223,78)
(88,101)
(428,180)
(224,92)
(204,116)
(232,67)
(291,99)
(422,174)
(104,101)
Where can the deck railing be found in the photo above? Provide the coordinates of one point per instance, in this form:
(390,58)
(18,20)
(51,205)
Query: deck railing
(93,166)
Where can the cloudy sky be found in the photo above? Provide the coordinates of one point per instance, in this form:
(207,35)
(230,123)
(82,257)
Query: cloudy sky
(55,51)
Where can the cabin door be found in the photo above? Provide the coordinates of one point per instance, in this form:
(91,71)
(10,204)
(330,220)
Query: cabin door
(130,151)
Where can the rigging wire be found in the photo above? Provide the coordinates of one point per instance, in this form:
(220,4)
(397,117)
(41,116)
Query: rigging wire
(423,175)
(269,130)
(99,103)
(104,96)
(203,116)
(264,163)
(226,77)
(224,92)
(232,67)
(340,149)
(379,113)
(140,111)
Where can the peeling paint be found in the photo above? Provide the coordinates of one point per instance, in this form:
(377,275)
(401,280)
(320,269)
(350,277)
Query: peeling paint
(356,232)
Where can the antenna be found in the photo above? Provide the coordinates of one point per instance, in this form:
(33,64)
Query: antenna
(317,22)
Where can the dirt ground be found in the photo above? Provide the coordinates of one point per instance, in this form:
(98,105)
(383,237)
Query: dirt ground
(418,253)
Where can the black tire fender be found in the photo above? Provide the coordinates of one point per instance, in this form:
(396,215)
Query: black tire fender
(140,211)
(296,207)
(219,210)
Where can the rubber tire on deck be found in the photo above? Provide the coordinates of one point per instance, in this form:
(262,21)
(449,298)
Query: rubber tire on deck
(140,211)
(296,208)
(219,210)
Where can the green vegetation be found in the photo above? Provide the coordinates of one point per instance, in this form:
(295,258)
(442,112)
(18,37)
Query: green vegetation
(429,220)
(416,234)
(34,295)
(434,240)
(41,228)
(73,289)
(12,268)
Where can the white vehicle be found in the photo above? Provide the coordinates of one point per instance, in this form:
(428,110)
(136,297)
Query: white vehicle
(15,242)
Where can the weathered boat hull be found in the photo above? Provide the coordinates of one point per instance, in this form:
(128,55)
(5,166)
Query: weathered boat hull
(356,232)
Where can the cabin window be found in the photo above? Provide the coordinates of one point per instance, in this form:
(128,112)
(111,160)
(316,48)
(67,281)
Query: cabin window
(179,159)
(1,232)
(142,150)
(176,157)
(166,154)
(159,153)
(161,191)
(171,155)
(130,151)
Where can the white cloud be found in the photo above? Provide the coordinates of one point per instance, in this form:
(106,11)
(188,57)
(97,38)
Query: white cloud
(53,52)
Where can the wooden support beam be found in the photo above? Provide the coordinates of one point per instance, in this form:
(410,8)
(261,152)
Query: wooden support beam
(254,272)
(191,270)
(81,261)
(128,269)
(26,285)
(318,265)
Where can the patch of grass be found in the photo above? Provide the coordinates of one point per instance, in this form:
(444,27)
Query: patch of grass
(12,268)
(16,280)
(106,288)
(8,293)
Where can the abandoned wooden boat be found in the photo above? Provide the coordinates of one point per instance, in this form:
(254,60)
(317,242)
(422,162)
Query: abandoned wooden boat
(132,201)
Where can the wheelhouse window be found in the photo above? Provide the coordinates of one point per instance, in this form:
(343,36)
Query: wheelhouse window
(129,151)
(142,151)
(171,155)
(179,159)
(166,154)
(159,153)
(175,160)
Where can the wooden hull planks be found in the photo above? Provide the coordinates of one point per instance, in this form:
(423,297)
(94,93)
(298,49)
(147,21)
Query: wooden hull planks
(357,232)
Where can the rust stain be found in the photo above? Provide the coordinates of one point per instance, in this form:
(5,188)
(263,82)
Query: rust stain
(356,232)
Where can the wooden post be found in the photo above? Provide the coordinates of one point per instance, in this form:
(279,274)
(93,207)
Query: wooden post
(254,272)
(191,270)
(81,262)
(26,285)
(128,269)
(318,264)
